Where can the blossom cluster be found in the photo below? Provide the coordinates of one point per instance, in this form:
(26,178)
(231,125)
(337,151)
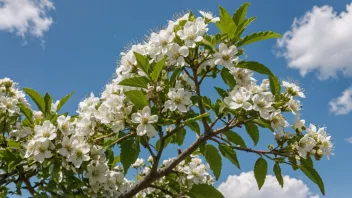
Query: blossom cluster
(161,74)
(188,173)
(11,98)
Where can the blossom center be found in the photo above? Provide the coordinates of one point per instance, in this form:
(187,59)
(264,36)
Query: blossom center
(79,153)
(46,134)
(145,120)
(261,104)
(95,173)
(176,55)
(178,100)
(225,57)
(191,36)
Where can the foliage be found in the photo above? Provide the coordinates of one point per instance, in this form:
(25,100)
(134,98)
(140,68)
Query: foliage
(155,101)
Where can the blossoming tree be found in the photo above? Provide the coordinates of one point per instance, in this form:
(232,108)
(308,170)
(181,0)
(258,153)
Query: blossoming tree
(155,101)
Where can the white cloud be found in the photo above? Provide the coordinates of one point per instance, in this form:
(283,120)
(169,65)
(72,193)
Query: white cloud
(320,41)
(349,140)
(343,104)
(245,186)
(25,16)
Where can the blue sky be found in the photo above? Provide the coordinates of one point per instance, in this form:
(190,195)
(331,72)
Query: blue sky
(80,49)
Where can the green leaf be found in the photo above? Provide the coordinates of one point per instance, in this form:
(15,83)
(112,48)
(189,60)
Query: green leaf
(260,68)
(241,27)
(174,76)
(194,126)
(235,138)
(158,67)
(275,86)
(228,78)
(142,62)
(129,153)
(48,101)
(140,81)
(229,153)
(277,171)
(27,112)
(204,191)
(214,160)
(157,145)
(263,123)
(63,101)
(13,144)
(253,132)
(37,98)
(198,117)
(259,36)
(221,92)
(260,170)
(138,98)
(226,24)
(240,15)
(179,136)
(313,175)
(116,160)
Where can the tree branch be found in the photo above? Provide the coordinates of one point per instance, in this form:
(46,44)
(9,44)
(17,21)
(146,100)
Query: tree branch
(162,190)
(161,172)
(28,184)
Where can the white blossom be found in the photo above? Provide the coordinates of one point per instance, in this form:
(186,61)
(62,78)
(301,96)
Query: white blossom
(145,121)
(239,98)
(179,100)
(44,132)
(191,33)
(226,56)
(262,103)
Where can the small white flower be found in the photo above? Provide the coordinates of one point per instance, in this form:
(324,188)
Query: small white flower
(262,103)
(85,126)
(41,151)
(9,104)
(298,125)
(190,34)
(87,106)
(79,153)
(64,124)
(243,77)
(305,145)
(278,121)
(145,119)
(97,172)
(21,133)
(226,55)
(177,54)
(209,16)
(163,39)
(66,144)
(54,106)
(45,132)
(293,89)
(294,105)
(138,163)
(238,98)
(179,100)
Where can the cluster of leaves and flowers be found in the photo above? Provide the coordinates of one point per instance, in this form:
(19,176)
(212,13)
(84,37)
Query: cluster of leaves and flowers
(155,101)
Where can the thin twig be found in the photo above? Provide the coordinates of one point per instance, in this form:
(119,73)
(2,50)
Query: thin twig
(162,190)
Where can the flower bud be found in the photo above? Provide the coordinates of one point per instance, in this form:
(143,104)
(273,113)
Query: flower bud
(319,153)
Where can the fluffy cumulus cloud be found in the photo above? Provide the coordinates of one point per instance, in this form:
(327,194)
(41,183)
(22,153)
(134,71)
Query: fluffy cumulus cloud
(245,186)
(25,17)
(320,41)
(343,104)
